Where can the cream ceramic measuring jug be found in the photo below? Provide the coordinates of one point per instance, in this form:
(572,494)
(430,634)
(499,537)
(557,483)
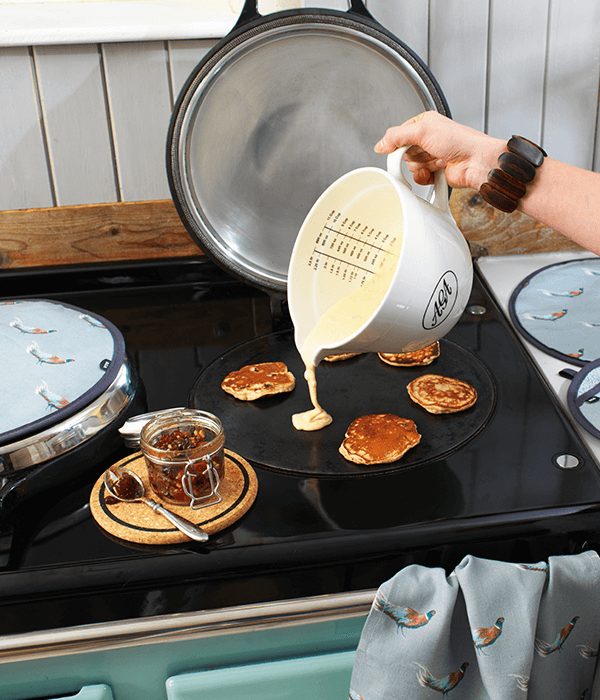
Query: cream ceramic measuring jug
(376,267)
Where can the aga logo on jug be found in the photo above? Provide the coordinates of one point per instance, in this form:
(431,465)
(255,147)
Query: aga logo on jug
(441,301)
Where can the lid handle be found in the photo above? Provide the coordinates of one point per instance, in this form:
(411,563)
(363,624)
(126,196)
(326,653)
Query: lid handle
(394,168)
(358,8)
(250,11)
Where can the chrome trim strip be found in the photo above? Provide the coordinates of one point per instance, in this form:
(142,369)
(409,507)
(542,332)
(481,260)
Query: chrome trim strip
(182,626)
(73,431)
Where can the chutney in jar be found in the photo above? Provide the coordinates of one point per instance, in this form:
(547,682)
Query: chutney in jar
(184,453)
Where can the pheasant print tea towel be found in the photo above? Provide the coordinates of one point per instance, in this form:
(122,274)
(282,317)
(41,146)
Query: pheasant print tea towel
(490,631)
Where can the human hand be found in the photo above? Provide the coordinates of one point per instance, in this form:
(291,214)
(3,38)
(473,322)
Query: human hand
(438,142)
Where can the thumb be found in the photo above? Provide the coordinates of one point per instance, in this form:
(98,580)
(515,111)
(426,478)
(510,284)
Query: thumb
(397,136)
(385,145)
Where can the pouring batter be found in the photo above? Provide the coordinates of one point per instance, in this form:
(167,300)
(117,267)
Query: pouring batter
(354,235)
(340,321)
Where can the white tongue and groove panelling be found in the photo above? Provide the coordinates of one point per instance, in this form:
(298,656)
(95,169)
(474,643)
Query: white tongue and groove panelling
(139,98)
(24,172)
(75,122)
(85,122)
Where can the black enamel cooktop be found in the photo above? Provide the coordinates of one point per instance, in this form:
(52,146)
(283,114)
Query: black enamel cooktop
(496,492)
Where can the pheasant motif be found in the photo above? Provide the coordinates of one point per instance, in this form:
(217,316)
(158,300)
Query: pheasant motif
(522,681)
(53,400)
(355,696)
(92,321)
(403,616)
(547,317)
(571,294)
(485,636)
(18,324)
(45,357)
(545,649)
(587,651)
(442,685)
(540,566)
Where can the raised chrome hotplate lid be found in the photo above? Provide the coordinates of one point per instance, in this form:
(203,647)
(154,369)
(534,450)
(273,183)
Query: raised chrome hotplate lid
(73,431)
(277,112)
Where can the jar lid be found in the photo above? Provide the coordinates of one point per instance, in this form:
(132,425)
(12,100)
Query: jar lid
(58,359)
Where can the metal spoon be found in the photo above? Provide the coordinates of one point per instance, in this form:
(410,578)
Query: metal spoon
(125,485)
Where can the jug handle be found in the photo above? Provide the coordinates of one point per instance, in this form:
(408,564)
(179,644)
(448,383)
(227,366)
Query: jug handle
(394,168)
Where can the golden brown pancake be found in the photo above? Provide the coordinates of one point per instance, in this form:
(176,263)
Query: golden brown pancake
(341,356)
(438,394)
(253,381)
(379,438)
(411,359)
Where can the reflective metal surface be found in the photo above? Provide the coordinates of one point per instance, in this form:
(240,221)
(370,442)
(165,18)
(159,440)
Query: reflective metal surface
(62,437)
(131,429)
(178,627)
(272,118)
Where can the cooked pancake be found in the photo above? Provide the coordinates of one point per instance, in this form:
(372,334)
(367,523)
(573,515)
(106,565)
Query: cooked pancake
(341,356)
(379,439)
(438,394)
(411,359)
(254,381)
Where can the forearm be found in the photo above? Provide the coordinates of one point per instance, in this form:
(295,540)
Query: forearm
(561,196)
(567,199)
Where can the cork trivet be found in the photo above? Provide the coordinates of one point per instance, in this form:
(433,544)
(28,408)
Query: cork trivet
(137,522)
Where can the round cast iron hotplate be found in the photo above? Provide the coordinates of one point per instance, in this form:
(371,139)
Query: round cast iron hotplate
(262,430)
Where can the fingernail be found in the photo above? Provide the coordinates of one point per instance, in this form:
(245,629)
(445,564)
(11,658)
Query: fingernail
(378,147)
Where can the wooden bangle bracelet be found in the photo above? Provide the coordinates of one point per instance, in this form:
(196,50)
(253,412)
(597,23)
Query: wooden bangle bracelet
(507,183)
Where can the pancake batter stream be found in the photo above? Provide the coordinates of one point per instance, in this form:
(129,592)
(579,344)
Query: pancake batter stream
(340,321)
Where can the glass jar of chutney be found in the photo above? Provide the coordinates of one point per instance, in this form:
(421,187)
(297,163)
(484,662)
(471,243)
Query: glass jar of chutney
(185,456)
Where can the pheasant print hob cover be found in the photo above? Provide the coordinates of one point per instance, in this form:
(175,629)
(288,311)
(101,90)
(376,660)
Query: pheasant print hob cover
(56,359)
(557,308)
(490,631)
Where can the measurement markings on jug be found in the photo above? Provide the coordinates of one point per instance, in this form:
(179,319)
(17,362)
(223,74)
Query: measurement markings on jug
(343,239)
(335,265)
(349,249)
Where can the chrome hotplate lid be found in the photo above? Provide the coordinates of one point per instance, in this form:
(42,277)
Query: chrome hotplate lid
(281,108)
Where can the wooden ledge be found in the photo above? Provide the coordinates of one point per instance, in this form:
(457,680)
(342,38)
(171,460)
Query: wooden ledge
(492,232)
(96,233)
(93,233)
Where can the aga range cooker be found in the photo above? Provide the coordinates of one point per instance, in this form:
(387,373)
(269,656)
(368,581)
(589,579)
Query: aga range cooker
(493,483)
